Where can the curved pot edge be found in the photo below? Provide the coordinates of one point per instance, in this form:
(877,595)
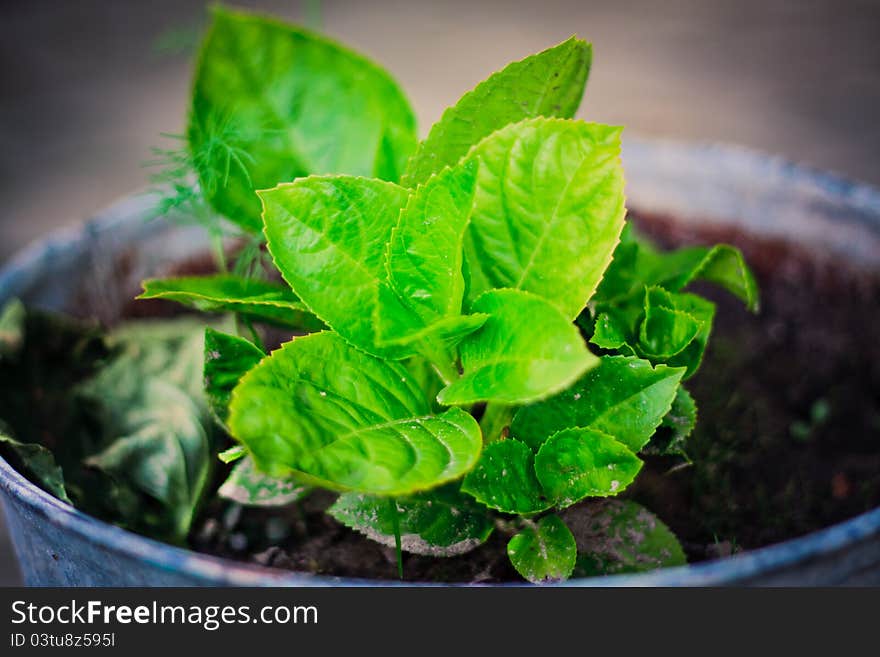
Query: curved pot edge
(217,570)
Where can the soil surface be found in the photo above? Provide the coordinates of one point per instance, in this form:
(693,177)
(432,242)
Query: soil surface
(787,442)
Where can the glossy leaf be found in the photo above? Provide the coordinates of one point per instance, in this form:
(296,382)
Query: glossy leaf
(637,264)
(621,536)
(549,83)
(526,350)
(504,479)
(256,299)
(667,328)
(609,332)
(578,463)
(273,102)
(423,259)
(702,313)
(624,397)
(227,359)
(348,421)
(549,191)
(544,552)
(250,487)
(327,236)
(439,523)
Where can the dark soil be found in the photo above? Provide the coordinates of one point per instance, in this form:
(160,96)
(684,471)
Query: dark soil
(788,438)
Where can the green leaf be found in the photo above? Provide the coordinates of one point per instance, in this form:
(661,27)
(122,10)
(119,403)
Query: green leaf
(549,191)
(327,236)
(155,419)
(703,313)
(667,329)
(549,83)
(161,448)
(620,536)
(609,332)
(227,359)
(438,523)
(624,397)
(253,298)
(172,350)
(504,479)
(544,552)
(678,423)
(38,462)
(348,421)
(423,257)
(525,351)
(725,266)
(637,264)
(578,463)
(273,102)
(232,454)
(425,287)
(250,487)
(12,323)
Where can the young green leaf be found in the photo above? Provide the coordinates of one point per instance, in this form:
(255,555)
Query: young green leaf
(637,264)
(440,523)
(250,487)
(227,359)
(621,536)
(704,312)
(38,462)
(549,191)
(424,257)
(348,421)
(578,463)
(544,552)
(549,83)
(667,328)
(273,102)
(253,298)
(504,479)
(327,236)
(525,351)
(610,332)
(624,397)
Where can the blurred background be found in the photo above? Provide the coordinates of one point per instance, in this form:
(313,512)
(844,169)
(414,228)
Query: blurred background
(87,86)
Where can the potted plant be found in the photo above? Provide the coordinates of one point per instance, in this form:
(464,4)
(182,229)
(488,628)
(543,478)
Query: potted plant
(457,348)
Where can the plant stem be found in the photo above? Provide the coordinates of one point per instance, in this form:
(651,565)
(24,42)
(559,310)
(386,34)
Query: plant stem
(495,419)
(395,523)
(219,251)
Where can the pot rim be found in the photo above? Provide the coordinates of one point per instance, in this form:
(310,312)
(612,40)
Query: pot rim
(229,572)
(222,571)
